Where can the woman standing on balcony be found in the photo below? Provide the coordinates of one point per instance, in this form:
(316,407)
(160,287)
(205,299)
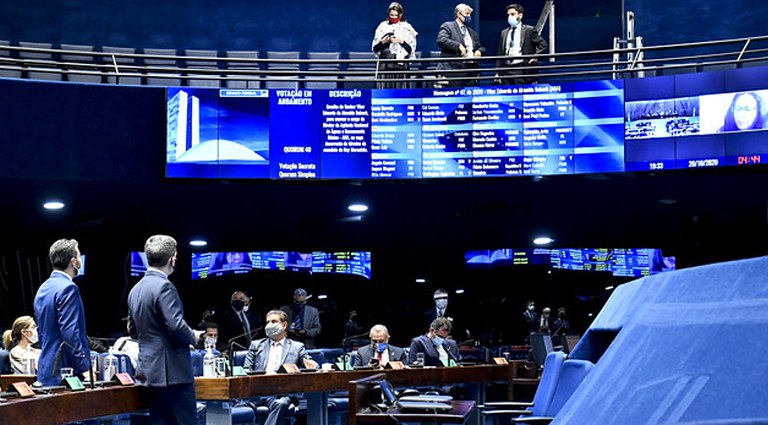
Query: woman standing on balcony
(394,38)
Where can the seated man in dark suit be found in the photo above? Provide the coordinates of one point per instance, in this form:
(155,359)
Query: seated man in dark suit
(378,353)
(268,354)
(438,350)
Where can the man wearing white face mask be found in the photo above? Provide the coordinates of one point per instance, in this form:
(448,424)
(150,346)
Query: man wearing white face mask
(516,40)
(437,348)
(61,317)
(268,354)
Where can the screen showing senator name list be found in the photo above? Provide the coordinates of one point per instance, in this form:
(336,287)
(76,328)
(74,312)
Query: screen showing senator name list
(709,119)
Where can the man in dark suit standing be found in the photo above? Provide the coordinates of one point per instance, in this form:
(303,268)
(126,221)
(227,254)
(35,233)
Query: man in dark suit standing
(519,39)
(304,320)
(438,350)
(457,40)
(379,349)
(268,354)
(238,323)
(61,317)
(156,319)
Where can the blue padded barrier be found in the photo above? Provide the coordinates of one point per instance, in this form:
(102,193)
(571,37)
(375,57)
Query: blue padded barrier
(690,349)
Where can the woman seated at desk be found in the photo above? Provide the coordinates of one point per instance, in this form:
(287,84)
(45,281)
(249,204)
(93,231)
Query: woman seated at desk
(19,340)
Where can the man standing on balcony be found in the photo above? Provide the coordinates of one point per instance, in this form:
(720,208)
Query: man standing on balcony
(519,39)
(457,40)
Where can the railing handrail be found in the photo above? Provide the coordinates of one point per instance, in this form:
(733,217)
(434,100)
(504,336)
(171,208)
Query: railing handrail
(567,64)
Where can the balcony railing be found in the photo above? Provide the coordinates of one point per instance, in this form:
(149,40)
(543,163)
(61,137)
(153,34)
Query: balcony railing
(246,69)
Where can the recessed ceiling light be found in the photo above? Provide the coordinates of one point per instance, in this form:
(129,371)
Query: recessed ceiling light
(421,280)
(459,291)
(322,297)
(543,240)
(198,242)
(53,205)
(358,208)
(608,288)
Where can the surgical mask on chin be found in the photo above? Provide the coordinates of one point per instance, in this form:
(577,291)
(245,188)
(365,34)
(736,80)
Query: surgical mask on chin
(531,307)
(273,330)
(438,340)
(33,337)
(380,347)
(512,21)
(441,303)
(245,308)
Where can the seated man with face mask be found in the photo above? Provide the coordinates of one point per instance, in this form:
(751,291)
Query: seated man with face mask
(268,354)
(378,353)
(438,350)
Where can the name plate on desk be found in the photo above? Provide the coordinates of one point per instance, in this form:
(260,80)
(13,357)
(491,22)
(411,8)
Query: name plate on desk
(123,379)
(394,365)
(238,371)
(73,383)
(500,360)
(289,368)
(22,389)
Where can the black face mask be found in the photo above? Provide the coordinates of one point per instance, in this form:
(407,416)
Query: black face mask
(238,304)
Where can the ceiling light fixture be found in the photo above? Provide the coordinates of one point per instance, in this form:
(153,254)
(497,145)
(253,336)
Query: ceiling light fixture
(358,208)
(543,240)
(53,205)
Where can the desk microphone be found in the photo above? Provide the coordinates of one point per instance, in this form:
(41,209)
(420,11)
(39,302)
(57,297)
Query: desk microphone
(77,351)
(233,341)
(451,356)
(351,337)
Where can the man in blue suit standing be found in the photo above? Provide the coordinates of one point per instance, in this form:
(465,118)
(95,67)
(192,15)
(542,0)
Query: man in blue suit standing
(156,319)
(61,317)
(268,354)
(438,350)
(379,349)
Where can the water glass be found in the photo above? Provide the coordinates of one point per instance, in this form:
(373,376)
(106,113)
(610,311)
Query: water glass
(221,366)
(66,372)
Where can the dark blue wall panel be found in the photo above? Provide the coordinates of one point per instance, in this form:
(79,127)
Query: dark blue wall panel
(281,25)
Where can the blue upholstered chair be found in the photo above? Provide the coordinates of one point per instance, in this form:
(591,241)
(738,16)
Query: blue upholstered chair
(5,361)
(572,374)
(542,399)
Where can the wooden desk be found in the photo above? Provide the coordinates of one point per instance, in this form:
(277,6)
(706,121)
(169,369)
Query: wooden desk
(317,385)
(7,380)
(460,413)
(67,407)
(246,386)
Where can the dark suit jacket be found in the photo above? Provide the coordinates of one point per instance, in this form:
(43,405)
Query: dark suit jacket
(258,354)
(230,326)
(365,353)
(156,319)
(532,43)
(311,322)
(449,38)
(60,317)
(423,344)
